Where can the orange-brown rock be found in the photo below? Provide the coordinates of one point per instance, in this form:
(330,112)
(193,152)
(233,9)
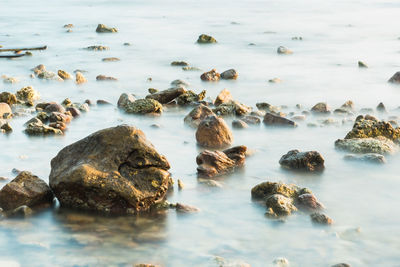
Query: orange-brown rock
(213,132)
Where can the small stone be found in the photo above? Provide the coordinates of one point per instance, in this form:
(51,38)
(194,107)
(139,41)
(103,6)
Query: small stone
(298,117)
(309,161)
(9,79)
(297,38)
(179,63)
(105,78)
(179,83)
(110,59)
(9,98)
(64,75)
(48,75)
(213,132)
(97,48)
(4,109)
(125,100)
(284,50)
(381,108)
(239,124)
(180,185)
(68,26)
(309,202)
(191,69)
(54,107)
(167,96)
(348,105)
(281,262)
(101,28)
(6,127)
(152,90)
(320,218)
(74,111)
(321,107)
(195,116)
(362,64)
(206,39)
(274,120)
(395,78)
(182,208)
(369,157)
(103,102)
(39,69)
(230,74)
(223,97)
(190,97)
(80,78)
(253,120)
(66,102)
(275,80)
(143,106)
(211,75)
(38,128)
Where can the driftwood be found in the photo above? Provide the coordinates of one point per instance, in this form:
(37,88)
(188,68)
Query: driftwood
(12,56)
(22,49)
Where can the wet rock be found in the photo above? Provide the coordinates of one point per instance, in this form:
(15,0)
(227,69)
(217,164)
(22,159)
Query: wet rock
(54,107)
(213,132)
(125,100)
(211,75)
(9,98)
(280,205)
(64,75)
(25,189)
(179,83)
(97,48)
(341,265)
(101,28)
(381,108)
(321,107)
(105,78)
(216,163)
(48,75)
(298,117)
(27,94)
(369,157)
(223,97)
(362,64)
(143,106)
(191,69)
(348,105)
(6,127)
(7,79)
(342,111)
(320,218)
(206,39)
(58,125)
(179,63)
(264,190)
(79,78)
(68,26)
(4,109)
(275,80)
(119,171)
(253,120)
(395,78)
(59,117)
(239,124)
(166,96)
(38,128)
(197,114)
(309,161)
(66,102)
(110,59)
(281,262)
(38,69)
(185,208)
(74,111)
(146,265)
(284,50)
(309,202)
(274,120)
(230,74)
(180,185)
(379,145)
(152,90)
(232,108)
(368,126)
(84,107)
(22,211)
(258,113)
(190,97)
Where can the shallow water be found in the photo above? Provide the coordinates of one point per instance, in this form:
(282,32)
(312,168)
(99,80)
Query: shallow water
(362,199)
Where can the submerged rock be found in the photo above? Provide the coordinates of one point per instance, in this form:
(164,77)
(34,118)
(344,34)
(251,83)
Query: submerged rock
(274,120)
(213,132)
(341,265)
(64,75)
(125,100)
(26,189)
(369,157)
(211,75)
(362,64)
(39,128)
(179,63)
(380,145)
(266,189)
(239,124)
(206,39)
(190,69)
(143,106)
(110,59)
(230,74)
(309,161)
(309,202)
(166,96)
(183,208)
(284,50)
(105,78)
(97,48)
(4,110)
(9,98)
(321,108)
(280,205)
(119,171)
(197,114)
(320,218)
(223,97)
(190,97)
(215,163)
(232,108)
(395,78)
(27,94)
(79,78)
(101,28)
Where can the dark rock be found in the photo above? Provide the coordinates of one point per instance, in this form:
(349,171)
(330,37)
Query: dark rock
(253,120)
(6,127)
(322,108)
(54,107)
(38,128)
(166,96)
(341,265)
(59,117)
(223,97)
(103,102)
(179,63)
(206,39)
(309,202)
(74,111)
(284,50)
(101,28)
(26,189)
(9,98)
(381,108)
(190,97)
(362,64)
(115,170)
(213,132)
(309,161)
(230,74)
(105,78)
(215,163)
(144,106)
(320,218)
(125,100)
(97,48)
(395,78)
(274,120)
(232,108)
(22,211)
(195,116)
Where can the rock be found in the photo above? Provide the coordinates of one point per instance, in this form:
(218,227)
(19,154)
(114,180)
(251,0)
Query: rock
(102,102)
(105,78)
(64,75)
(341,265)
(213,132)
(281,262)
(191,69)
(6,127)
(197,114)
(79,78)
(309,161)
(190,97)
(395,78)
(206,39)
(216,163)
(125,100)
(110,59)
(119,171)
(22,211)
(54,107)
(179,63)
(211,75)
(38,69)
(4,109)
(239,124)
(309,202)
(368,126)
(180,185)
(97,48)
(59,117)
(298,117)
(297,38)
(146,265)
(348,105)
(9,98)
(48,75)
(264,190)
(185,208)
(369,157)
(58,125)
(230,74)
(7,79)
(321,108)
(381,108)
(152,90)
(101,28)
(223,97)
(38,128)
(380,145)
(342,111)
(143,106)
(179,83)
(274,120)
(68,26)
(74,111)
(284,50)
(66,102)
(275,80)
(280,205)
(84,107)
(25,189)
(27,94)
(232,108)
(320,218)
(253,120)
(362,64)
(166,96)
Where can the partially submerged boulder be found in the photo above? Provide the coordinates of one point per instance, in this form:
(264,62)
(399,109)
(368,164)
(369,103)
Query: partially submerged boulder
(213,132)
(368,157)
(215,163)
(39,128)
(125,100)
(275,120)
(210,76)
(115,170)
(395,78)
(197,114)
(230,74)
(64,75)
(380,145)
(79,78)
(284,50)
(223,97)
(166,96)
(321,108)
(232,108)
(143,106)
(206,39)
(296,160)
(26,189)
(320,218)
(101,28)
(190,97)
(4,110)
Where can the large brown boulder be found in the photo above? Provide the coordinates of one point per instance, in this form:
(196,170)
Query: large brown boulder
(296,160)
(26,189)
(115,170)
(213,132)
(197,114)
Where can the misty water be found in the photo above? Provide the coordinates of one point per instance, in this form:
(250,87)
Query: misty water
(361,198)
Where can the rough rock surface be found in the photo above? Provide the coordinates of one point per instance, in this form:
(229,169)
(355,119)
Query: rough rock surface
(197,114)
(115,170)
(9,98)
(125,100)
(321,108)
(380,145)
(321,218)
(213,132)
(79,78)
(211,75)
(39,128)
(64,75)
(27,94)
(206,39)
(395,78)
(232,108)
(26,189)
(215,163)
(166,96)
(274,120)
(143,106)
(101,28)
(309,161)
